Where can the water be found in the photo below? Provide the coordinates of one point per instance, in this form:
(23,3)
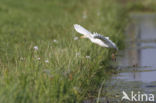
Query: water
(140,52)
(138,61)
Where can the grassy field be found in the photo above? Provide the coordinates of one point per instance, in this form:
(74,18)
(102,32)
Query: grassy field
(61,68)
(139,5)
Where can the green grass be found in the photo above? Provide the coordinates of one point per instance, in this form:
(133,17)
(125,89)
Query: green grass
(69,77)
(140,5)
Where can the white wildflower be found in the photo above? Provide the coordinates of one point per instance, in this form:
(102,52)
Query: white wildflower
(46,61)
(84,16)
(21,58)
(88,57)
(55,41)
(35,47)
(77,54)
(76,38)
(38,58)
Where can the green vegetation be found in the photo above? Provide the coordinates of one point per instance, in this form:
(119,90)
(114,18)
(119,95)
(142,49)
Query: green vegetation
(67,76)
(141,5)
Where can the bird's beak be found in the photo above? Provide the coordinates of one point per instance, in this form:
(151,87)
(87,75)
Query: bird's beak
(82,36)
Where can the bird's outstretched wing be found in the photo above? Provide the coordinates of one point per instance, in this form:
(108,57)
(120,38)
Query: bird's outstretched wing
(82,30)
(106,40)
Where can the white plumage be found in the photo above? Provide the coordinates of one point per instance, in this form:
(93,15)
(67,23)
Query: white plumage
(82,30)
(95,37)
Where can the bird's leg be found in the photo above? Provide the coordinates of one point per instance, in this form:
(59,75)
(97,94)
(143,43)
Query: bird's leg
(113,57)
(114,54)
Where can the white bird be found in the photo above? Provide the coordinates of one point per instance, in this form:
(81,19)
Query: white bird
(95,37)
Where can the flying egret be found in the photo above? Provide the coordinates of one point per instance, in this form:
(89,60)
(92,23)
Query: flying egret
(96,38)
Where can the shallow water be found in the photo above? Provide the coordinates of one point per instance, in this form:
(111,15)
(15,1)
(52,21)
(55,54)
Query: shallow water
(140,55)
(138,61)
